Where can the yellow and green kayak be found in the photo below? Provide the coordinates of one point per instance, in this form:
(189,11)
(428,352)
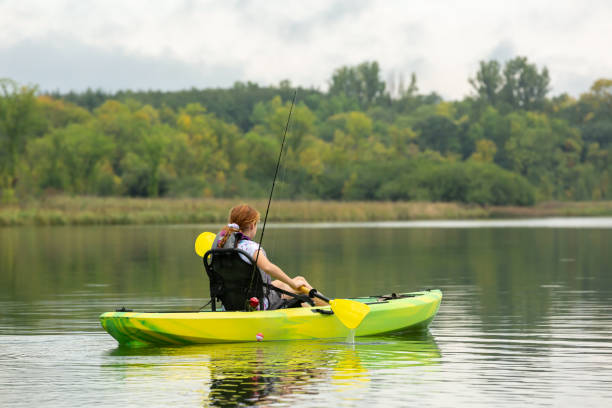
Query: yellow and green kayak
(393,313)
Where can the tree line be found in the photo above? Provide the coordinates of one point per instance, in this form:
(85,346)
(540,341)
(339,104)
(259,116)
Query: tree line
(508,142)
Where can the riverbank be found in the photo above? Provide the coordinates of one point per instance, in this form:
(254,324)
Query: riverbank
(65,210)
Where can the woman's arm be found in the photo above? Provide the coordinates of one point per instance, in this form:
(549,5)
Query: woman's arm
(277,273)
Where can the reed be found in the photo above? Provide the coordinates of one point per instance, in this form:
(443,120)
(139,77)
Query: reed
(84,210)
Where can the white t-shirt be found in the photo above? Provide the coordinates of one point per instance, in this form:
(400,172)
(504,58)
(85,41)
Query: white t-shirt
(250,247)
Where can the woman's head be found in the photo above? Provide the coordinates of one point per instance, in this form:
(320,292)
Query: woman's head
(244,216)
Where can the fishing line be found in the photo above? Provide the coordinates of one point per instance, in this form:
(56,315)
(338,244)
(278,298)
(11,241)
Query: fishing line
(280,155)
(282,193)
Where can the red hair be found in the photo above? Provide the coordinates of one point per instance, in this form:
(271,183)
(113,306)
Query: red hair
(242,215)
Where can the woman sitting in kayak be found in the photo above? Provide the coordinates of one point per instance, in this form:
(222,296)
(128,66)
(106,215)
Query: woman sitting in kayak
(239,233)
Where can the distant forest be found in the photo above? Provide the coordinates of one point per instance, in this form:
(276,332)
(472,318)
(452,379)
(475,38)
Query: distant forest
(509,142)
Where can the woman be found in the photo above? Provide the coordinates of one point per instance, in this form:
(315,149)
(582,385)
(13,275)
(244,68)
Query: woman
(239,233)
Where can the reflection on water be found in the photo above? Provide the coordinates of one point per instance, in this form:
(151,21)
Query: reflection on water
(525,319)
(262,373)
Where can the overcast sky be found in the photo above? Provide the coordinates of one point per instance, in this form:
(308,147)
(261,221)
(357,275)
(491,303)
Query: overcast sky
(168,45)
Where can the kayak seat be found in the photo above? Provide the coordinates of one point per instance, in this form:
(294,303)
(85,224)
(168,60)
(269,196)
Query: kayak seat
(233,281)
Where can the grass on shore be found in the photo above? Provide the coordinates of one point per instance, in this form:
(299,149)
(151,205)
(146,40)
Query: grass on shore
(84,210)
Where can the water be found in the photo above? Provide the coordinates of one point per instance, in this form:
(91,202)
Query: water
(525,319)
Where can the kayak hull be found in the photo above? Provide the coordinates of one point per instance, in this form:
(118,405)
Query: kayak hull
(411,311)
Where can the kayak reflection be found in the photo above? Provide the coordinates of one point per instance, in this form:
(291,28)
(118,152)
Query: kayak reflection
(260,373)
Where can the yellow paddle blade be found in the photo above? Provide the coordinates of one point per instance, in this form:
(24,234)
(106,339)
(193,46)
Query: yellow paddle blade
(350,312)
(204,242)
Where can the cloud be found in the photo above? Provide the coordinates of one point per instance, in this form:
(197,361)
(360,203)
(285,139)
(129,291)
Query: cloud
(144,44)
(66,64)
(503,51)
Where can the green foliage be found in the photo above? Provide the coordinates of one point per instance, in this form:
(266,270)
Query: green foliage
(233,105)
(488,82)
(70,158)
(524,87)
(361,140)
(441,180)
(598,132)
(519,87)
(18,122)
(361,83)
(438,133)
(58,113)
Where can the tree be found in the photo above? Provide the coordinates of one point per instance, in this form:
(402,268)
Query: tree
(69,158)
(345,82)
(540,149)
(488,82)
(600,99)
(524,87)
(361,83)
(58,113)
(438,133)
(353,142)
(519,87)
(373,86)
(17,121)
(152,151)
(211,150)
(485,151)
(599,132)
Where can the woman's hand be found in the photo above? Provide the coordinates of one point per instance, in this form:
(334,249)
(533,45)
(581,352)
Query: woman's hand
(299,282)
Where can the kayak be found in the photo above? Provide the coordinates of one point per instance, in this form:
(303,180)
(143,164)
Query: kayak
(388,314)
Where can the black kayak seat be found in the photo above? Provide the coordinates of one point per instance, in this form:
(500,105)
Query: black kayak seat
(234,280)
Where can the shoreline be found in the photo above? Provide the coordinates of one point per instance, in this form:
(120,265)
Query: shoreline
(86,210)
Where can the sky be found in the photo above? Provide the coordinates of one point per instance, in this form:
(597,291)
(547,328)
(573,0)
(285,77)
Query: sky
(168,45)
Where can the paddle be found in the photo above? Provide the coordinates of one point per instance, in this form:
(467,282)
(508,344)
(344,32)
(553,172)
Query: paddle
(204,242)
(349,312)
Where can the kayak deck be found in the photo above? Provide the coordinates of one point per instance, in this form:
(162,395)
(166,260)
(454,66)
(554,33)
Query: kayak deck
(408,311)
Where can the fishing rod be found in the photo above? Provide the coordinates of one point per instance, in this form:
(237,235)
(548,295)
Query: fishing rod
(280,154)
(349,312)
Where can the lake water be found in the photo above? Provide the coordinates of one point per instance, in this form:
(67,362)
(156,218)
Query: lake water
(525,320)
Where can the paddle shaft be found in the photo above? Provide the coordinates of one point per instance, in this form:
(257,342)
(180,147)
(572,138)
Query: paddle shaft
(314,293)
